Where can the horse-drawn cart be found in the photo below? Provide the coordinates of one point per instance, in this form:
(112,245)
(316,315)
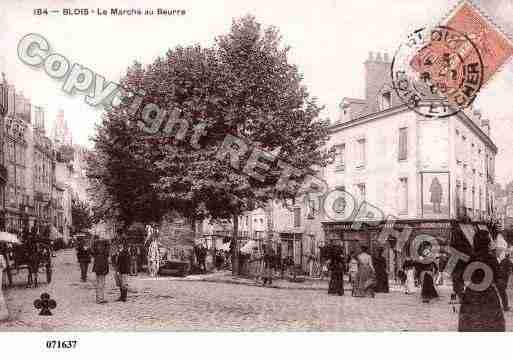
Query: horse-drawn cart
(33,256)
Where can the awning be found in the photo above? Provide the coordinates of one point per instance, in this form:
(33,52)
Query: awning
(7,237)
(248,247)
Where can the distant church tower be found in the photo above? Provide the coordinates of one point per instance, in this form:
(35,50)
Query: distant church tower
(61,133)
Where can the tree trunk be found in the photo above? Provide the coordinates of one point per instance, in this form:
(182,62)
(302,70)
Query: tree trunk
(235,246)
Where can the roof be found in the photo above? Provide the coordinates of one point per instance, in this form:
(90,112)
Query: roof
(403,108)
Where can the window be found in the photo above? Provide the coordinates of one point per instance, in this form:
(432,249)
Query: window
(473,200)
(464,196)
(297,217)
(386,100)
(403,143)
(403,195)
(362,194)
(361,153)
(340,157)
(480,200)
(457,198)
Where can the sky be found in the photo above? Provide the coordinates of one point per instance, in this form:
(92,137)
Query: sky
(330,40)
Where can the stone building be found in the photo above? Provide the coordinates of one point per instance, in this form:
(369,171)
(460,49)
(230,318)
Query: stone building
(42,161)
(394,163)
(17,122)
(61,134)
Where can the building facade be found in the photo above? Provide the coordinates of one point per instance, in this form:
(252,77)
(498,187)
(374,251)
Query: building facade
(43,165)
(393,163)
(16,124)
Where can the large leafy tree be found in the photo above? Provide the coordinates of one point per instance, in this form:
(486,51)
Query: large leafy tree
(244,90)
(121,183)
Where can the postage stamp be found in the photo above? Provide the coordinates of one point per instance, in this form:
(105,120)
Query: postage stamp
(437,71)
(493,47)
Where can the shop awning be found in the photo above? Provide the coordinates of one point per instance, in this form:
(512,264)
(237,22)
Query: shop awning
(7,237)
(249,247)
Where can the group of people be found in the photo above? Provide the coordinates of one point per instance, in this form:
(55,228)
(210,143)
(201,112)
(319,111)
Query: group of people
(367,274)
(123,258)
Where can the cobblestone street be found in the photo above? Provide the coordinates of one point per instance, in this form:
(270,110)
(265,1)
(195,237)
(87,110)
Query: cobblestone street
(183,305)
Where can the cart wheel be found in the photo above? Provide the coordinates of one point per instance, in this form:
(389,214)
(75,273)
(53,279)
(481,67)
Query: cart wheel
(48,275)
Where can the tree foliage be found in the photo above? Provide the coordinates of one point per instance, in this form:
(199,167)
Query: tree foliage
(243,86)
(80,215)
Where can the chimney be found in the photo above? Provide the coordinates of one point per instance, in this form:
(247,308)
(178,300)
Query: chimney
(377,74)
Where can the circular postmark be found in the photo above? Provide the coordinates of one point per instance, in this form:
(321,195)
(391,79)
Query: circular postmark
(437,72)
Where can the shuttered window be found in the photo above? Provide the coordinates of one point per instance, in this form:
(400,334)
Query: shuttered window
(297,217)
(403,143)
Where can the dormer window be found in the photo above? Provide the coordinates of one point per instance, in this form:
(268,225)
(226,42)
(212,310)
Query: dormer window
(386,100)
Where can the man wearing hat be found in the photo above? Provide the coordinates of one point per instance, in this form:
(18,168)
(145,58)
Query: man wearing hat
(101,266)
(268,262)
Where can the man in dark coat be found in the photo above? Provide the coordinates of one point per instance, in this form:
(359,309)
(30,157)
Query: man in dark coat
(380,268)
(505,268)
(100,267)
(269,256)
(84,258)
(123,269)
(202,255)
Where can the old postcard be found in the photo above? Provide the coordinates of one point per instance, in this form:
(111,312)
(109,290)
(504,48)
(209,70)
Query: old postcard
(255,166)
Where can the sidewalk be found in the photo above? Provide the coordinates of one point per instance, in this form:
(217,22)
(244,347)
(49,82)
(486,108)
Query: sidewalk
(227,277)
(308,284)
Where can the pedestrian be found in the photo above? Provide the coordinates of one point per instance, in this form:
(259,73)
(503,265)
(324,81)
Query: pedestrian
(123,269)
(442,263)
(505,268)
(481,308)
(84,258)
(4,313)
(409,272)
(153,258)
(133,260)
(202,256)
(100,267)
(353,270)
(380,266)
(427,269)
(268,263)
(365,278)
(336,265)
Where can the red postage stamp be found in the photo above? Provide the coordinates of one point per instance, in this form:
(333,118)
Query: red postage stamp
(495,49)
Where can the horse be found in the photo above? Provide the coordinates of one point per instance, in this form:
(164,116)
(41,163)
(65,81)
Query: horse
(31,254)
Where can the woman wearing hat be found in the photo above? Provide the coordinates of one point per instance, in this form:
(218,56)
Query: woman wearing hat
(427,269)
(481,308)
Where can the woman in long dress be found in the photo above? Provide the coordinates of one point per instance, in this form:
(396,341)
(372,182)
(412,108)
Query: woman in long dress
(409,270)
(481,308)
(380,266)
(353,271)
(336,285)
(365,278)
(427,270)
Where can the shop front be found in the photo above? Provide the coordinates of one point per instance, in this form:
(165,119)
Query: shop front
(415,236)
(291,247)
